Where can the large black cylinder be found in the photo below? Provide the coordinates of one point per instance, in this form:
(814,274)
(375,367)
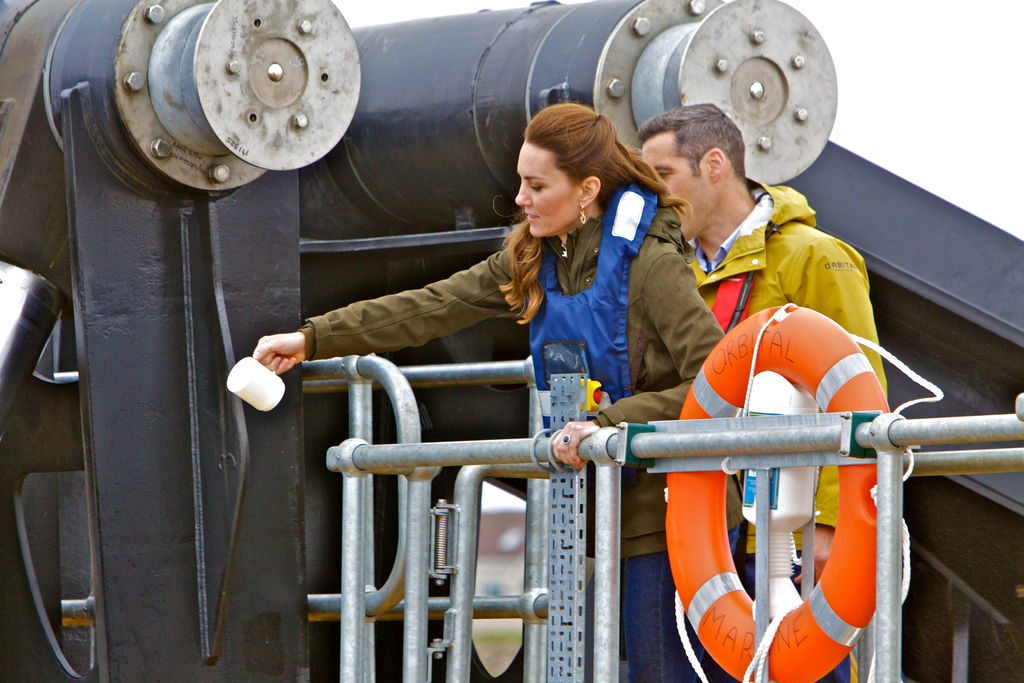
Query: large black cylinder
(441,114)
(444,101)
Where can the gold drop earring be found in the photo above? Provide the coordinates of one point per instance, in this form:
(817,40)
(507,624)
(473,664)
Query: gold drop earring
(583,215)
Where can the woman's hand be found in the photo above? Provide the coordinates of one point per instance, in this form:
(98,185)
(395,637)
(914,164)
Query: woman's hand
(566,442)
(280,352)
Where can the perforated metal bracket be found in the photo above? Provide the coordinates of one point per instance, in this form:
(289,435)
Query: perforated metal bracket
(568,546)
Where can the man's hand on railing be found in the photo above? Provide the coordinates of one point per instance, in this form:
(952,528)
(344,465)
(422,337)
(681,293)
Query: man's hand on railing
(565,442)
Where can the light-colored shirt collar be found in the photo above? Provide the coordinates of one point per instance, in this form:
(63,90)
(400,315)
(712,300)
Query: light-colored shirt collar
(764,205)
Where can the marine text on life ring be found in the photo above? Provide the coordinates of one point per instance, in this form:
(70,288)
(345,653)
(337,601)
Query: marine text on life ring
(815,353)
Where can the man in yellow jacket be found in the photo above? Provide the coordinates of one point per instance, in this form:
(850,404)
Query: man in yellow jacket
(756,247)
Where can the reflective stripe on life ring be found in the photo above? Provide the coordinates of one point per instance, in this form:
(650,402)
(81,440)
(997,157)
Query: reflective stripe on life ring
(815,353)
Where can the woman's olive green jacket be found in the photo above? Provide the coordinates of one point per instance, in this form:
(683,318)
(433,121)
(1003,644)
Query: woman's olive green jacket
(669,333)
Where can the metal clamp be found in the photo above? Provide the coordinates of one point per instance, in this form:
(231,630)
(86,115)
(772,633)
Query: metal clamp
(624,448)
(340,457)
(553,464)
(878,431)
(598,448)
(848,445)
(533,605)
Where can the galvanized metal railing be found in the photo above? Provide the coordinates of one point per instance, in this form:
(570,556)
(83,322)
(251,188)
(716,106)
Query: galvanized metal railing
(351,374)
(737,443)
(503,457)
(740,443)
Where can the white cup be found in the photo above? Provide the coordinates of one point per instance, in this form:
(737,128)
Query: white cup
(255,384)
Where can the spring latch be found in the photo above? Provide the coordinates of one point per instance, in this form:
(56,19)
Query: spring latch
(443,532)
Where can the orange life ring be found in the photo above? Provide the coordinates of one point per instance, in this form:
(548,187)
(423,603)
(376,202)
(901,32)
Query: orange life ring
(813,352)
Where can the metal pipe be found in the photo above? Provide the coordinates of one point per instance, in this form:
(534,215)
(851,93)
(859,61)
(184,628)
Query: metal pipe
(412,562)
(935,463)
(761,553)
(888,554)
(535,578)
(399,458)
(607,532)
(947,430)
(369,562)
(888,607)
(601,446)
(353,607)
(363,370)
(356,531)
(361,425)
(865,649)
(467,503)
(789,446)
(753,441)
(745,441)
(531,607)
(403,401)
(535,559)
(415,659)
(961,609)
(708,463)
(324,376)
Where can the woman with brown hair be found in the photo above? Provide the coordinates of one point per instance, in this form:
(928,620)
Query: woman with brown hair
(598,257)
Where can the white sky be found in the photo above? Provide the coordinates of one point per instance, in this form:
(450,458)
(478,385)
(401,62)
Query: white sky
(926,87)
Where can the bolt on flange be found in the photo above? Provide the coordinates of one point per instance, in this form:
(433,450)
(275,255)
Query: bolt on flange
(154,14)
(220,173)
(160,148)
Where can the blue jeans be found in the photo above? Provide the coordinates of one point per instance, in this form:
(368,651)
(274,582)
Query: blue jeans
(653,650)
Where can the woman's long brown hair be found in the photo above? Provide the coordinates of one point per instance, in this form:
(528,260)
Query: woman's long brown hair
(584,144)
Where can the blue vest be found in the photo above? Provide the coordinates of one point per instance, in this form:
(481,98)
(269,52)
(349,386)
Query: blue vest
(598,314)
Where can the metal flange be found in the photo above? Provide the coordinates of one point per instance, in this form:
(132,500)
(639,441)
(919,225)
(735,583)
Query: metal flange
(212,95)
(174,158)
(768,67)
(278,80)
(618,82)
(760,61)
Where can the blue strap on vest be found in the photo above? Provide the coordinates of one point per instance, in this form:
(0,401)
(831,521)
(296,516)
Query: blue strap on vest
(598,314)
